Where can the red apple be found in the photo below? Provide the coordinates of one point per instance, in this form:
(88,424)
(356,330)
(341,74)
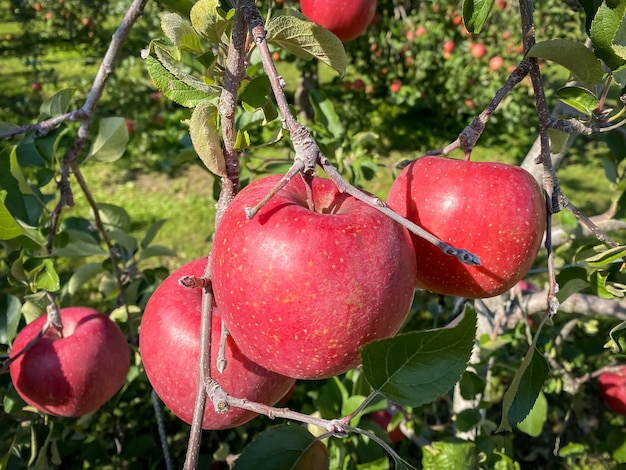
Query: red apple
(36,87)
(346,20)
(478,50)
(613,390)
(396,85)
(421,30)
(494,210)
(75,374)
(448,46)
(358,84)
(496,63)
(169,343)
(302,290)
(383,418)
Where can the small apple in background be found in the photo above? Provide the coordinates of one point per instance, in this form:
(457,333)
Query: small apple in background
(75,374)
(494,210)
(383,418)
(37,6)
(613,390)
(496,63)
(36,87)
(169,344)
(48,15)
(396,85)
(346,19)
(301,290)
(448,46)
(130,125)
(477,50)
(420,31)
(358,84)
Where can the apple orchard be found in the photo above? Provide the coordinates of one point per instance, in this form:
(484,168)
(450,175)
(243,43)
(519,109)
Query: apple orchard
(448,308)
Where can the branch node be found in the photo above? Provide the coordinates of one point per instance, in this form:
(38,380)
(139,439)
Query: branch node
(218,396)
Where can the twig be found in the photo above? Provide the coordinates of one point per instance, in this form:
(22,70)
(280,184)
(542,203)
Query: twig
(308,154)
(158,412)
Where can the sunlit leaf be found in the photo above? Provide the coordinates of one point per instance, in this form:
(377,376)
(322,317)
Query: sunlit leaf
(604,29)
(180,32)
(10,315)
(533,423)
(205,137)
(111,141)
(475,14)
(572,55)
(83,274)
(607,256)
(325,113)
(58,103)
(114,216)
(418,367)
(293,32)
(521,395)
(207,20)
(578,98)
(452,454)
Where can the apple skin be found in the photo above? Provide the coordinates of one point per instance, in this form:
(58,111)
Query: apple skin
(494,210)
(169,343)
(300,290)
(346,20)
(613,390)
(75,374)
(383,418)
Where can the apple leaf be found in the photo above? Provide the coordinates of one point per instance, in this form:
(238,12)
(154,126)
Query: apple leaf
(286,447)
(114,216)
(10,314)
(83,274)
(418,367)
(111,141)
(207,20)
(578,98)
(185,90)
(41,273)
(180,32)
(604,32)
(451,454)
(607,256)
(475,14)
(80,249)
(533,423)
(572,55)
(291,31)
(205,138)
(590,7)
(325,113)
(57,104)
(521,395)
(617,343)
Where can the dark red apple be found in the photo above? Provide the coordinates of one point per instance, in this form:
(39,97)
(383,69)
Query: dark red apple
(169,343)
(383,418)
(494,210)
(346,19)
(75,374)
(613,390)
(302,290)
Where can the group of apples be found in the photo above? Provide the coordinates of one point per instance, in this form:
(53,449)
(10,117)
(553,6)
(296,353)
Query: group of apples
(302,285)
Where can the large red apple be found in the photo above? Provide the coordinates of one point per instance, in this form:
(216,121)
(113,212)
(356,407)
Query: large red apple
(494,210)
(347,19)
(302,290)
(613,390)
(75,374)
(169,343)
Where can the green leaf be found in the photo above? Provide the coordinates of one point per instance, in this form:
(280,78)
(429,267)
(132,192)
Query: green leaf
(521,395)
(558,139)
(533,423)
(325,113)
(604,28)
(174,88)
(114,216)
(207,20)
(578,98)
(10,314)
(182,7)
(291,31)
(41,274)
(11,228)
(111,141)
(180,32)
(607,256)
(156,250)
(83,274)
(475,14)
(572,55)
(80,248)
(257,93)
(152,232)
(205,137)
(451,454)
(418,367)
(282,448)
(617,343)
(590,7)
(58,103)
